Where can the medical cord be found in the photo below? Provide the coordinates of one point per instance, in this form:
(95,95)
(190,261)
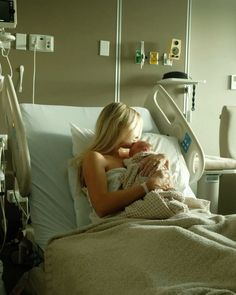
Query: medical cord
(25,213)
(4,221)
(2,199)
(7,58)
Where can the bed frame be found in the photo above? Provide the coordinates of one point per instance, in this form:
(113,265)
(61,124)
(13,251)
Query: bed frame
(165,112)
(16,136)
(187,253)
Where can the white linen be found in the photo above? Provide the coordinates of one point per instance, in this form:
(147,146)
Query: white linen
(49,140)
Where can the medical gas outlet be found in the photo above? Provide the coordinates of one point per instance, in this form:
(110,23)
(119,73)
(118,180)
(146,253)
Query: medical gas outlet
(140,55)
(42,43)
(153,58)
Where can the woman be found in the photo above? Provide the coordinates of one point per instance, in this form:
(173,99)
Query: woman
(118,127)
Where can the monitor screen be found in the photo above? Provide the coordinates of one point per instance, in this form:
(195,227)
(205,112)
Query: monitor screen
(8,14)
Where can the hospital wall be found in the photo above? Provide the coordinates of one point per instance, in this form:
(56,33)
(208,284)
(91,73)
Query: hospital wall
(75,74)
(212,58)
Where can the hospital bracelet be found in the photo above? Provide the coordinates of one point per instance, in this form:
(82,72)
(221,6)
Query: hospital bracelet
(144,185)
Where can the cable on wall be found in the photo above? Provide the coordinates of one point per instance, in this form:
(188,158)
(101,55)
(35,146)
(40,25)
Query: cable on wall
(2,192)
(118,49)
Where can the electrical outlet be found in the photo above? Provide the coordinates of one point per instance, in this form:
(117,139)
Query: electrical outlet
(42,43)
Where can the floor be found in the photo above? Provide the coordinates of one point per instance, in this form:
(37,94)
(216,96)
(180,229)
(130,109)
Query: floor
(12,269)
(10,272)
(2,288)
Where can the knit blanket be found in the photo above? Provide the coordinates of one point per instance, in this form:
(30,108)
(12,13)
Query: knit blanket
(189,253)
(157,203)
(132,175)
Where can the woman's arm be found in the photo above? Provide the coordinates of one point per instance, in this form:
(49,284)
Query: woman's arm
(103,201)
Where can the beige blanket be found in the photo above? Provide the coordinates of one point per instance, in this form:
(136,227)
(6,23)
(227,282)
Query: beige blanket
(190,253)
(158,203)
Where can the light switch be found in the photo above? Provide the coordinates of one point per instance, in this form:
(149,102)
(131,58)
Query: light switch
(104,49)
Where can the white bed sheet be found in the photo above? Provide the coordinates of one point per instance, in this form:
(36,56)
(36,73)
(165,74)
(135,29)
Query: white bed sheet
(50,146)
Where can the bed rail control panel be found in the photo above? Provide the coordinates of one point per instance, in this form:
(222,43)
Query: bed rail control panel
(186,142)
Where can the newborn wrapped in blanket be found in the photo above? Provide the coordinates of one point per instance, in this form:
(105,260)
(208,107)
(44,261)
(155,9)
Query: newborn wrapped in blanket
(158,203)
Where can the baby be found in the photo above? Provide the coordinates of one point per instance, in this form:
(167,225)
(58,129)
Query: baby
(137,152)
(160,203)
(140,146)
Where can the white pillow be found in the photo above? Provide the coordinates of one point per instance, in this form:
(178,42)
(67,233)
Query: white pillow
(81,139)
(82,206)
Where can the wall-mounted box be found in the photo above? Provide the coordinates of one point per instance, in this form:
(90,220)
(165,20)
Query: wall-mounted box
(104,49)
(21,41)
(233,82)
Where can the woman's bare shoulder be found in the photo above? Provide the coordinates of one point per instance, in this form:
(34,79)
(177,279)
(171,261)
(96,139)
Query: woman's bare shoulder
(92,157)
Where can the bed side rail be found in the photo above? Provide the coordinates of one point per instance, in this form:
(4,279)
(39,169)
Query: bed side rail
(171,121)
(17,137)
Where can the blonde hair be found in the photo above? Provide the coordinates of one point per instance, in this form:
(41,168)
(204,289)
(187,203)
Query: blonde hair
(111,127)
(112,124)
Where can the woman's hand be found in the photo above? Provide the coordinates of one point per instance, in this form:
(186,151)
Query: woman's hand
(160,179)
(150,164)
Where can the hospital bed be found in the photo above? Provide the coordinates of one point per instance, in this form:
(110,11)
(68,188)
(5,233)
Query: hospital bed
(187,253)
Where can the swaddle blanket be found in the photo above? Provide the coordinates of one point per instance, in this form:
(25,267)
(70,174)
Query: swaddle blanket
(157,204)
(132,175)
(160,204)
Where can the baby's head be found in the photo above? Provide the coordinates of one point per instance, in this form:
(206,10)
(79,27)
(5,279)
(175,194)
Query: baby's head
(140,146)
